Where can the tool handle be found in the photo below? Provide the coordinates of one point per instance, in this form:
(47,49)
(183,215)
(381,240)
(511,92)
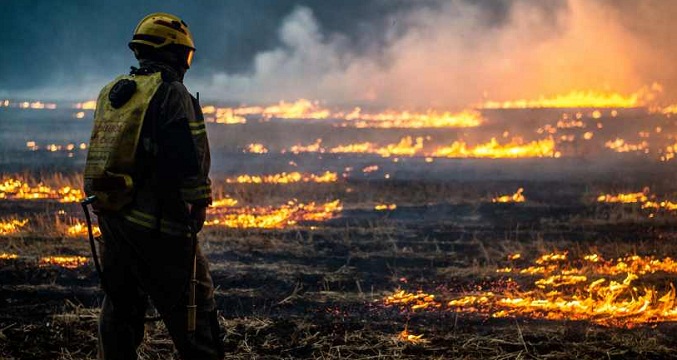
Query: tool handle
(192,318)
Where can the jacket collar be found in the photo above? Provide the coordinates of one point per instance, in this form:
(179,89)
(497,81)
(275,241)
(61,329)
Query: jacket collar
(169,73)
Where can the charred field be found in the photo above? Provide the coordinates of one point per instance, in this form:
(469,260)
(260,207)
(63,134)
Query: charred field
(319,287)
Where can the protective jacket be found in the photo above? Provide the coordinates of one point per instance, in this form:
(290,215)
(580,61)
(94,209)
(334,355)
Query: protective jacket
(149,153)
(147,247)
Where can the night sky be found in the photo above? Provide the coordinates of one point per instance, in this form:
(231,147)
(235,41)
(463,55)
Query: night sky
(414,53)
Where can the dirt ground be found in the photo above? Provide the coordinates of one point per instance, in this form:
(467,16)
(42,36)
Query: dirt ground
(315,290)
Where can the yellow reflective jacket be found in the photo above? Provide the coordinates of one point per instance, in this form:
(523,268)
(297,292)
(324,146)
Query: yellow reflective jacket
(115,137)
(170,163)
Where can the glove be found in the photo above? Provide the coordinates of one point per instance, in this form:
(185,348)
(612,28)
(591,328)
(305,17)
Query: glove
(198,214)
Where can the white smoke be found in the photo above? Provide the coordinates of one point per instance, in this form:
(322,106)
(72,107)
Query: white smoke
(450,58)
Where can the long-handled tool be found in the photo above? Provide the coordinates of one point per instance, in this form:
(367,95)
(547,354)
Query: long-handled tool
(192,306)
(85,203)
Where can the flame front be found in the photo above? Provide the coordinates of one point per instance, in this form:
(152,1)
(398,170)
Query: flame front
(583,99)
(284,178)
(561,288)
(493,150)
(269,217)
(69,262)
(11,226)
(15,189)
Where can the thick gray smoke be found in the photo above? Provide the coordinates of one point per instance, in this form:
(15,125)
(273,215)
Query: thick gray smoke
(454,54)
(388,53)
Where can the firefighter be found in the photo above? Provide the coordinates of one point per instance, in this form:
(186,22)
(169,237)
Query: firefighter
(148,166)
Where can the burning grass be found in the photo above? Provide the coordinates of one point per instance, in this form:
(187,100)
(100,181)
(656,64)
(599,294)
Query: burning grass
(560,288)
(477,279)
(270,217)
(55,187)
(284,178)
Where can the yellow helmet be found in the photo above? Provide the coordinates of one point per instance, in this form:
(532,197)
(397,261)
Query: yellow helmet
(160,29)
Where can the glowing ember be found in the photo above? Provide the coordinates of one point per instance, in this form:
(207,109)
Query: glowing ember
(69,262)
(516,197)
(6,256)
(15,189)
(413,301)
(370,168)
(11,226)
(70,147)
(269,217)
(406,336)
(638,197)
(382,207)
(665,205)
(619,145)
(225,202)
(285,178)
(256,149)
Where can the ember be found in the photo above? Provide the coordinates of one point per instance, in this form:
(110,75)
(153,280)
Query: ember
(382,207)
(638,197)
(6,256)
(583,99)
(406,336)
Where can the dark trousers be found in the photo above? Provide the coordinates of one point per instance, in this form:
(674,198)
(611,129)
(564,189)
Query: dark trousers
(141,264)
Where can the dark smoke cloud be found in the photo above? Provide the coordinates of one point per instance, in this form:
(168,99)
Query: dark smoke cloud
(439,53)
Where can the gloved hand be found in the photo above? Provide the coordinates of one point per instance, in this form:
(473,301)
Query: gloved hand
(198,214)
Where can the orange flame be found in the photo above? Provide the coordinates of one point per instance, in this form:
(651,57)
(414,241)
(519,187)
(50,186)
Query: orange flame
(583,99)
(570,289)
(411,120)
(15,189)
(406,336)
(69,262)
(269,217)
(256,149)
(516,197)
(11,226)
(80,229)
(638,197)
(7,256)
(621,146)
(515,149)
(284,178)
(382,207)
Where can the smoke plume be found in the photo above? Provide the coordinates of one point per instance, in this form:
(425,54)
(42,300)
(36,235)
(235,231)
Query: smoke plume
(456,53)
